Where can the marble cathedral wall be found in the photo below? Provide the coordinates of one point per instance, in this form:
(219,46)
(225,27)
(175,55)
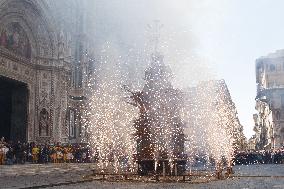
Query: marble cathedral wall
(43,48)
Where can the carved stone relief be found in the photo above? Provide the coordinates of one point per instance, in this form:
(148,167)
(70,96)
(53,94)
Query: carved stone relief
(44,89)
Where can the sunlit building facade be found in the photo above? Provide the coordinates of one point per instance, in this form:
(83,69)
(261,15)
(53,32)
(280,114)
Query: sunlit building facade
(269,122)
(251,143)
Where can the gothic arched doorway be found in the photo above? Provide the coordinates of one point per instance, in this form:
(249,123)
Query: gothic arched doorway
(13,109)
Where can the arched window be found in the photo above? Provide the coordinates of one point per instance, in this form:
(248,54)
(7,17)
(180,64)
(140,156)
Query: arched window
(272,67)
(282,101)
(277,115)
(72,118)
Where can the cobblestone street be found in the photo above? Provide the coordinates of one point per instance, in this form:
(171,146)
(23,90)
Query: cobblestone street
(72,176)
(30,175)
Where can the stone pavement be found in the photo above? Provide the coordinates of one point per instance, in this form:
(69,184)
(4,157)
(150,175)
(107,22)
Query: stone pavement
(71,176)
(35,169)
(31,175)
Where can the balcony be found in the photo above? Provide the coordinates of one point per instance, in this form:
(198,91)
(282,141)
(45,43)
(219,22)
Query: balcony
(262,95)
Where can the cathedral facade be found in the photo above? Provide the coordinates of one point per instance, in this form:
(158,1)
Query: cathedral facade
(45,54)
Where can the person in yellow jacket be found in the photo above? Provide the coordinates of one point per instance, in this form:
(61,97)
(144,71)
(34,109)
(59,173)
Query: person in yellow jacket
(35,154)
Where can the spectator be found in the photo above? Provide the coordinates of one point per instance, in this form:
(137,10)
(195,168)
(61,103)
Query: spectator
(2,153)
(35,154)
(45,154)
(9,156)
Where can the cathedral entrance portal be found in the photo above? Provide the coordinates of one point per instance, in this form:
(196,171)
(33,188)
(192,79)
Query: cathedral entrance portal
(13,109)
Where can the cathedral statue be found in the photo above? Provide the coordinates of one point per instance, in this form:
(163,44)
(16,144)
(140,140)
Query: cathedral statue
(43,123)
(61,47)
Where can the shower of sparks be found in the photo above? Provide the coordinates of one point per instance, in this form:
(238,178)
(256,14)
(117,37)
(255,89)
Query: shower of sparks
(108,117)
(158,121)
(213,128)
(159,127)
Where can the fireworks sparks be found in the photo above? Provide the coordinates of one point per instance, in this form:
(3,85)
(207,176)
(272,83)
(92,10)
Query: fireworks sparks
(158,121)
(212,121)
(108,117)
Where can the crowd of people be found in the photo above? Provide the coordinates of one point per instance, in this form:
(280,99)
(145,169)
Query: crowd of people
(259,157)
(20,153)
